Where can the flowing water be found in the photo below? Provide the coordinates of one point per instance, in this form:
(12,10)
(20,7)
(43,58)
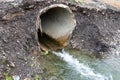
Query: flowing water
(80,68)
(72,64)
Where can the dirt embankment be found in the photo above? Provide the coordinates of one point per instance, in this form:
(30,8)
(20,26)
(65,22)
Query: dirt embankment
(95,30)
(18,46)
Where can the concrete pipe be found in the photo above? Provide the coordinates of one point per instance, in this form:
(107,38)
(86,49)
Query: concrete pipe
(54,25)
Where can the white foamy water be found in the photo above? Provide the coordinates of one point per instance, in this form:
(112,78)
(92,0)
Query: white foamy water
(81,68)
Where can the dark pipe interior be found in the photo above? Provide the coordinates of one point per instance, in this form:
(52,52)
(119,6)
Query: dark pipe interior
(57,25)
(47,42)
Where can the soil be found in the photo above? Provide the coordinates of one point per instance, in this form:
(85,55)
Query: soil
(18,46)
(95,30)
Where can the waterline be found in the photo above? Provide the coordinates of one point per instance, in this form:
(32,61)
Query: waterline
(81,68)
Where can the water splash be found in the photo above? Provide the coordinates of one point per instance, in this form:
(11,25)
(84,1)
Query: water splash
(81,68)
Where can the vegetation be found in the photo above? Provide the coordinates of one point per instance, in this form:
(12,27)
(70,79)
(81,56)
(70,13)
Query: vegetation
(8,77)
(78,1)
(36,77)
(45,52)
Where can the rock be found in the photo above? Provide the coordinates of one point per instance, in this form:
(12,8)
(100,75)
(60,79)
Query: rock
(27,79)
(12,64)
(16,77)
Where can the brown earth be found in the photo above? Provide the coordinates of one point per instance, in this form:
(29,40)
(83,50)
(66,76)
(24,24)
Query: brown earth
(18,46)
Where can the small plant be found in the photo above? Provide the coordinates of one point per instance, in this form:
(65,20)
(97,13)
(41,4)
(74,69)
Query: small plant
(8,77)
(71,1)
(78,1)
(45,52)
(36,77)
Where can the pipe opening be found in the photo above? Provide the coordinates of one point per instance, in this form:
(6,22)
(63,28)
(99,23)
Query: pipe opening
(54,27)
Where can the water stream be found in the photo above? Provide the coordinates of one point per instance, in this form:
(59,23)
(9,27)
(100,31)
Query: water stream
(81,68)
(72,64)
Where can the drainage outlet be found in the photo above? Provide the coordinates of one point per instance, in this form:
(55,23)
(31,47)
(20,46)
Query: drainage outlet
(54,25)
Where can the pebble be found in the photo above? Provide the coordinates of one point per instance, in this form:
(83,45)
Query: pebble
(16,77)
(27,79)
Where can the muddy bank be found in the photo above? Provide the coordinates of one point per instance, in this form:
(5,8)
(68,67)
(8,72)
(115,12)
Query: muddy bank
(95,29)
(18,45)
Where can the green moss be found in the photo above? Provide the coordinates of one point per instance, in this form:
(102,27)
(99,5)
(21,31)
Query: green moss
(8,77)
(36,77)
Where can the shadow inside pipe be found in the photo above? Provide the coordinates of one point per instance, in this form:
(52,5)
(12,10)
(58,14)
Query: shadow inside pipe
(46,42)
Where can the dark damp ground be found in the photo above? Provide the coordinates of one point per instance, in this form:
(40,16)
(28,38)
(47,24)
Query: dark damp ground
(95,30)
(19,50)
